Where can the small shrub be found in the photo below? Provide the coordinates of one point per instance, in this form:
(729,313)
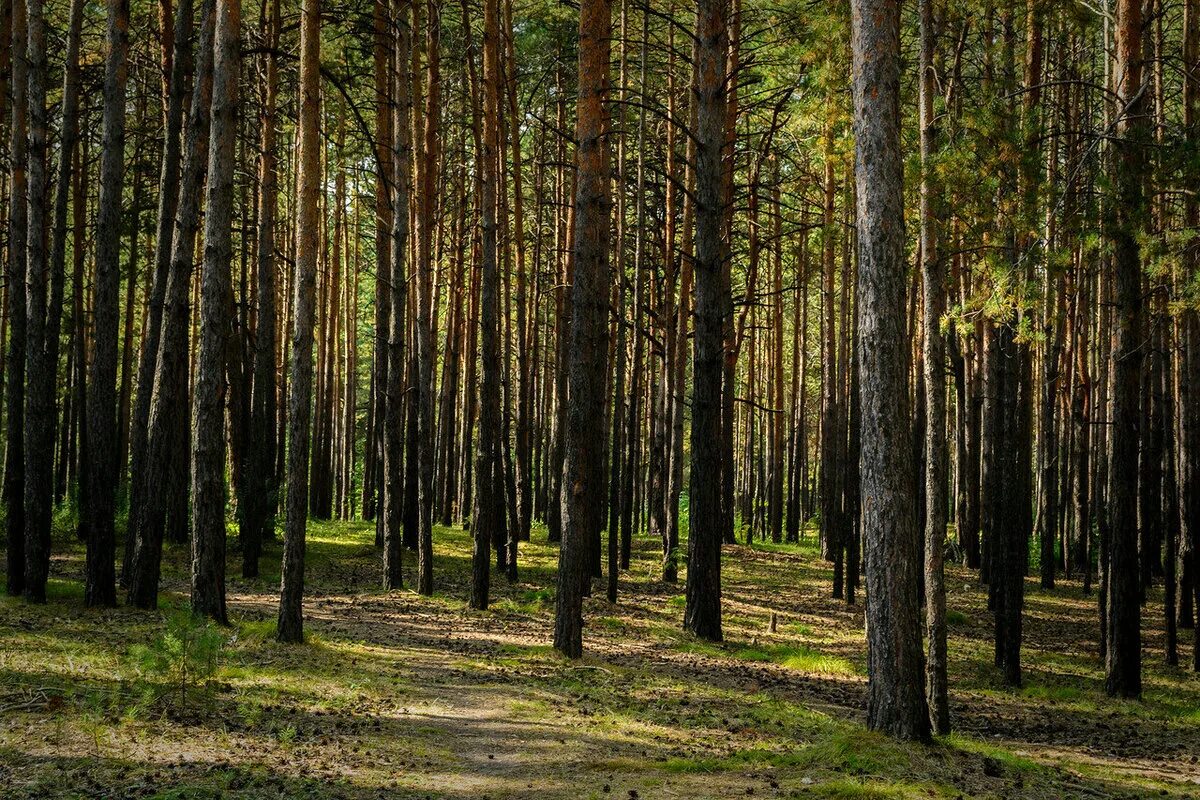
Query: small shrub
(182,658)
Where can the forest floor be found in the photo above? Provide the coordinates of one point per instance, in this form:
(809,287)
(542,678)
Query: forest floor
(397,695)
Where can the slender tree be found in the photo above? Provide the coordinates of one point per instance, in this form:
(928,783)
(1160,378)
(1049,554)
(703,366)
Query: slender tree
(583,475)
(308,185)
(100,585)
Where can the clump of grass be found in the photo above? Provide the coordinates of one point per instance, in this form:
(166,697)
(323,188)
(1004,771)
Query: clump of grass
(955,617)
(796,657)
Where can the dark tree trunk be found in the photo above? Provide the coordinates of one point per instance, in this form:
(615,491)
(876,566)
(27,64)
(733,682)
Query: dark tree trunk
(487,512)
(208,420)
(1123,654)
(39,371)
(425,302)
(896,700)
(702,612)
(258,504)
(14,438)
(100,585)
(168,202)
(394,445)
(156,490)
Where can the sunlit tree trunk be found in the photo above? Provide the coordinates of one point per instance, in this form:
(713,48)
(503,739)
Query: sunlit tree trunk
(896,699)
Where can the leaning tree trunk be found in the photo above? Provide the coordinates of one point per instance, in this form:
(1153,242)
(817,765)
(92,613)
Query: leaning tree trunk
(100,585)
(702,611)
(308,185)
(896,699)
(258,506)
(168,203)
(583,467)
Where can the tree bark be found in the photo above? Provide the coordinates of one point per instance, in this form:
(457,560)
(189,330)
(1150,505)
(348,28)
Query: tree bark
(166,439)
(208,420)
(100,585)
(584,445)
(896,698)
(1123,654)
(702,612)
(934,360)
(290,627)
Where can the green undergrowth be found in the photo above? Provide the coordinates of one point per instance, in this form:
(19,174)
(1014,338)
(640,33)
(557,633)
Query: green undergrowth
(398,695)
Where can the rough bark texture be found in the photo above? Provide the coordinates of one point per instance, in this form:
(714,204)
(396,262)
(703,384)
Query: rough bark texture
(393,454)
(208,418)
(291,591)
(425,302)
(166,439)
(39,372)
(14,452)
(702,612)
(934,360)
(896,699)
(168,203)
(584,441)
(1123,654)
(100,585)
(485,519)
(258,506)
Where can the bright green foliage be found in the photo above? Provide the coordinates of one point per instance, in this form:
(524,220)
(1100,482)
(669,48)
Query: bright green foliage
(182,659)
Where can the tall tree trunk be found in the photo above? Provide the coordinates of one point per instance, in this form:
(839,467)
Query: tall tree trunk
(14,438)
(40,371)
(1123,656)
(290,626)
(486,516)
(393,451)
(258,506)
(100,585)
(934,359)
(896,698)
(702,612)
(425,300)
(168,201)
(156,490)
(583,468)
(208,420)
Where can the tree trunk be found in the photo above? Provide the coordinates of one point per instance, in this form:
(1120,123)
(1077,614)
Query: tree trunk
(934,360)
(584,445)
(702,612)
(485,517)
(896,698)
(155,490)
(425,302)
(14,438)
(1123,654)
(100,585)
(290,626)
(208,421)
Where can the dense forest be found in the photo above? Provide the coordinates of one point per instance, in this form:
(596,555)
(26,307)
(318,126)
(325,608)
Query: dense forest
(605,298)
